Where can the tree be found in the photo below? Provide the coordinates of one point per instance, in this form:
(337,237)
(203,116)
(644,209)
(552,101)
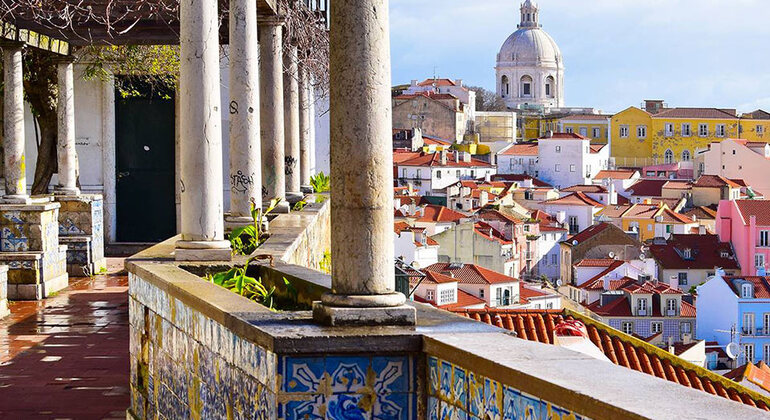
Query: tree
(487,100)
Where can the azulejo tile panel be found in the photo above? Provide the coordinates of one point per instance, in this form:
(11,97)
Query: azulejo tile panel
(348,387)
(456,393)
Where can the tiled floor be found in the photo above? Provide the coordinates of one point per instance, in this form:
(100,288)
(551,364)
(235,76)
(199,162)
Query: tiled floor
(67,357)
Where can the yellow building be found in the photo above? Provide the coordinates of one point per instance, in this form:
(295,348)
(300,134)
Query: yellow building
(668,135)
(594,126)
(647,220)
(755,126)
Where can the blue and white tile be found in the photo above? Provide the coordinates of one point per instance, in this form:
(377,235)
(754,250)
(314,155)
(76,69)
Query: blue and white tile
(398,406)
(346,407)
(493,399)
(459,387)
(433,408)
(302,374)
(348,374)
(475,395)
(393,374)
(434,381)
(446,385)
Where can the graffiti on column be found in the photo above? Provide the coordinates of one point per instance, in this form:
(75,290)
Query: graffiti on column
(240,183)
(291,162)
(233,107)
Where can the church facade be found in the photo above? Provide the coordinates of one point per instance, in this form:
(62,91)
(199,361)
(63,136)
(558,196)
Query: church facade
(530,68)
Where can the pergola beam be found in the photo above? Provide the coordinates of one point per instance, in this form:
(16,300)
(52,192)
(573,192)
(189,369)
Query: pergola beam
(34,39)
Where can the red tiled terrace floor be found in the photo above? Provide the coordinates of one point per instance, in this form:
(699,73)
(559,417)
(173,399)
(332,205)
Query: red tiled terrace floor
(67,357)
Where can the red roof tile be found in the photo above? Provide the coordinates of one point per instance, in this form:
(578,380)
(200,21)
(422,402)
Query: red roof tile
(761,285)
(437,278)
(706,253)
(697,113)
(599,262)
(648,187)
(527,292)
(622,349)
(523,149)
(596,148)
(434,159)
(714,181)
(471,273)
(565,136)
(436,213)
(464,299)
(758,208)
(585,189)
(437,82)
(588,233)
(488,232)
(615,174)
(575,199)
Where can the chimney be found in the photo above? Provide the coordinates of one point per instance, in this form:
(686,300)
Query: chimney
(488,178)
(466,157)
(671,345)
(701,230)
(459,82)
(442,157)
(414,82)
(606,282)
(686,338)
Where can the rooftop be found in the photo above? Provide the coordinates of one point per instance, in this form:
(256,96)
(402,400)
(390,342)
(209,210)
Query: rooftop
(434,159)
(616,174)
(574,199)
(520,149)
(471,273)
(715,181)
(436,213)
(708,113)
(757,208)
(706,252)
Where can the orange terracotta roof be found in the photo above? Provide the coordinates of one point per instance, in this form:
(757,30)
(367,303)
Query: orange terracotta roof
(586,188)
(670,216)
(437,278)
(714,181)
(464,300)
(761,285)
(565,136)
(758,208)
(436,213)
(598,283)
(523,149)
(615,174)
(430,140)
(598,262)
(596,148)
(434,159)
(437,82)
(527,292)
(471,273)
(648,187)
(489,233)
(622,349)
(758,375)
(575,199)
(399,227)
(588,233)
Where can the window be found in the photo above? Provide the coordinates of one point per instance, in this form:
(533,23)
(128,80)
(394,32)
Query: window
(670,307)
(505,87)
(584,131)
(641,131)
(685,328)
(418,174)
(438,174)
(627,327)
(403,173)
(547,89)
(511,163)
(569,130)
(641,306)
(656,327)
(766,323)
(549,86)
(447,296)
(685,156)
(748,353)
(682,279)
(429,294)
(669,130)
(766,353)
(687,253)
(558,149)
(668,228)
(759,260)
(481,293)
(572,168)
(596,133)
(703,130)
(760,129)
(764,238)
(553,259)
(668,157)
(686,131)
(498,296)
(720,131)
(526,86)
(573,224)
(746,291)
(623,131)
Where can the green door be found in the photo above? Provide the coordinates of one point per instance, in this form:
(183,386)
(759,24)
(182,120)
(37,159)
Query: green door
(144,136)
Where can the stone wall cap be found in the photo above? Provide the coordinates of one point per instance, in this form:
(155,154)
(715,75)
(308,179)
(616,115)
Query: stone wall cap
(25,256)
(30,207)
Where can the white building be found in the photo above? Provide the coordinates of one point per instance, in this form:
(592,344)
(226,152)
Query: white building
(577,211)
(530,69)
(622,179)
(455,87)
(549,250)
(518,159)
(413,246)
(566,159)
(432,173)
(737,159)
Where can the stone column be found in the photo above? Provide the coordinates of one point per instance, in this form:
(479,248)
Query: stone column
(201,135)
(13,130)
(109,158)
(245,149)
(363,280)
(291,123)
(313,122)
(65,147)
(271,110)
(305,119)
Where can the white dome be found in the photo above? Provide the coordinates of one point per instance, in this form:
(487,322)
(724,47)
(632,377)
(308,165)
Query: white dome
(529,46)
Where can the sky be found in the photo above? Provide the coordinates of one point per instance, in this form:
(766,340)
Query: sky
(706,53)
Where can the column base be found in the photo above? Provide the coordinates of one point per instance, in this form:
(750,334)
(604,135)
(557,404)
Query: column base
(203,251)
(306,189)
(35,275)
(294,197)
(282,208)
(334,316)
(81,229)
(16,199)
(71,192)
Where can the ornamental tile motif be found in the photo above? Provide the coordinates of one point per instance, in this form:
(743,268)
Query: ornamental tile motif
(474,396)
(348,387)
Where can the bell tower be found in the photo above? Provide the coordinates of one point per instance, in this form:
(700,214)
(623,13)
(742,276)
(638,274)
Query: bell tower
(529,15)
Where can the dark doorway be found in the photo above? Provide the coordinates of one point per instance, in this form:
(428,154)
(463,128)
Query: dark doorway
(144,137)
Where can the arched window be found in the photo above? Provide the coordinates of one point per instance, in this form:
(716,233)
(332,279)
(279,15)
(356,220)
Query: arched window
(526,87)
(668,157)
(505,87)
(549,87)
(686,156)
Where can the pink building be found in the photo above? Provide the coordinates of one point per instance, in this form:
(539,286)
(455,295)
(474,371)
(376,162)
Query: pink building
(746,224)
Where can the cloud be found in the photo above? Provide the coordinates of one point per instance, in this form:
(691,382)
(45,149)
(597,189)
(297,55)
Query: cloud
(617,52)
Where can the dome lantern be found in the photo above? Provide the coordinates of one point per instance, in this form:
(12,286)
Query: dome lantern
(529,15)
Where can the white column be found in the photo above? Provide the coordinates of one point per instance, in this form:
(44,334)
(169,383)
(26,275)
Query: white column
(313,122)
(245,148)
(291,123)
(13,139)
(271,109)
(305,121)
(65,145)
(201,134)
(363,280)
(108,158)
